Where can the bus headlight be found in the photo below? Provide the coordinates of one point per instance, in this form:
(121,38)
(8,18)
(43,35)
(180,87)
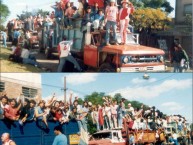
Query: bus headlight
(160,58)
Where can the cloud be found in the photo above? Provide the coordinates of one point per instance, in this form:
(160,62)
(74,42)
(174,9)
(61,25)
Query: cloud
(84,78)
(21,4)
(140,81)
(152,91)
(172,106)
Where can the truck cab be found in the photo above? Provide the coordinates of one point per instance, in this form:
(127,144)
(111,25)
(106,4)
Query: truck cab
(131,57)
(90,50)
(107,137)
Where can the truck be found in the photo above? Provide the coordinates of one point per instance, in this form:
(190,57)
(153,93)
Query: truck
(39,135)
(34,40)
(181,135)
(90,51)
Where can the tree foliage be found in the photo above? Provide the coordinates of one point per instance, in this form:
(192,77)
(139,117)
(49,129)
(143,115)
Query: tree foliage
(149,18)
(4,12)
(163,4)
(35,12)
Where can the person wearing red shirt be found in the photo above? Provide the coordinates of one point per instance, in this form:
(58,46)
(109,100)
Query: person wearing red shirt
(12,110)
(124,13)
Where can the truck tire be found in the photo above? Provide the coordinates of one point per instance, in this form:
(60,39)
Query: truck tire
(107,67)
(48,53)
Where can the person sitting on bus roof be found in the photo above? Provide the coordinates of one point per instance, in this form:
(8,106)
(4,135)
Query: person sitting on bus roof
(98,20)
(58,12)
(87,20)
(65,55)
(68,15)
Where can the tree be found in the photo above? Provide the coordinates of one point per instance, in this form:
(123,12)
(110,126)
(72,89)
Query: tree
(4,12)
(163,4)
(26,14)
(149,18)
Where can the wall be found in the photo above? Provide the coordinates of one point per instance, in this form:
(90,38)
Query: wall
(15,81)
(180,10)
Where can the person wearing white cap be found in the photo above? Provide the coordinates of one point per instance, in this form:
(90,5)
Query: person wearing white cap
(124,13)
(111,16)
(130,109)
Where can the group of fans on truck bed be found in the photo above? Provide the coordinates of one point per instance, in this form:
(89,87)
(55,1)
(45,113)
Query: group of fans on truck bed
(106,116)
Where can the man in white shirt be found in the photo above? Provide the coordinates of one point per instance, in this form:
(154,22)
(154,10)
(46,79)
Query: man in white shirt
(64,54)
(130,109)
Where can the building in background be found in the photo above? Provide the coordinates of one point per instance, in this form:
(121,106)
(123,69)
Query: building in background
(183,24)
(15,84)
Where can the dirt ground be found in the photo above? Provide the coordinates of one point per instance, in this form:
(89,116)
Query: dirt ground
(49,64)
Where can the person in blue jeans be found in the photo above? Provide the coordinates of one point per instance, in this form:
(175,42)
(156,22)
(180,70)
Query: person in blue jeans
(120,115)
(111,16)
(4,36)
(65,55)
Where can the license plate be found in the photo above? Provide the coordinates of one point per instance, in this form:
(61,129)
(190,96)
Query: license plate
(142,69)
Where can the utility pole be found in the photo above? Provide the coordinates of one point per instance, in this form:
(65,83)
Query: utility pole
(64,89)
(0,12)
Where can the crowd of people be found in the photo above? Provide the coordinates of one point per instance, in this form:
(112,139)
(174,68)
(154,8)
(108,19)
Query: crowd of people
(109,115)
(98,14)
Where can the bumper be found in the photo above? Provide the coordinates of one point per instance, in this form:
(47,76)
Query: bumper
(158,68)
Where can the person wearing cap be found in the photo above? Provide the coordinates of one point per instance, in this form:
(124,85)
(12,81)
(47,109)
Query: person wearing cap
(111,17)
(60,138)
(124,13)
(65,55)
(130,109)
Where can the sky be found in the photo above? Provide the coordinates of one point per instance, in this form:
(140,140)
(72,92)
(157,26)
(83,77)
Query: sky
(16,7)
(171,93)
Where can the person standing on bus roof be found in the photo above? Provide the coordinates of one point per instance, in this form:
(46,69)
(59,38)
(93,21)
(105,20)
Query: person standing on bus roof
(111,17)
(5,138)
(60,138)
(124,19)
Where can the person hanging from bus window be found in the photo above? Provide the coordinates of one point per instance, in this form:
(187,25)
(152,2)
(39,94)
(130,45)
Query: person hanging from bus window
(124,19)
(111,17)
(3,103)
(24,112)
(41,114)
(65,55)
(12,110)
